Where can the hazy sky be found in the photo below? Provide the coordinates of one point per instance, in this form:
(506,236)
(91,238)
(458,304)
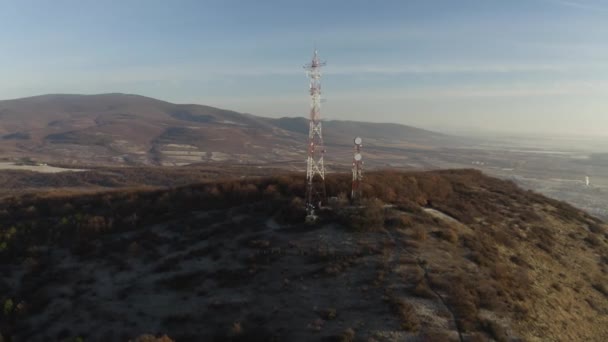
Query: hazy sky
(505,65)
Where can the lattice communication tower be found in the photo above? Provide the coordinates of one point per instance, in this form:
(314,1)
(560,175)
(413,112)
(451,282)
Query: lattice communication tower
(315,169)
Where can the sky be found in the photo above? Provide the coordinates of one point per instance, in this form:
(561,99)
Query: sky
(521,66)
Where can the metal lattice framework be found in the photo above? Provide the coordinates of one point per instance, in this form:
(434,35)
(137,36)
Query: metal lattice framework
(357,171)
(315,169)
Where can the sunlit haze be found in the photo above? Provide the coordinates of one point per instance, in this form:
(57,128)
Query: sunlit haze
(513,66)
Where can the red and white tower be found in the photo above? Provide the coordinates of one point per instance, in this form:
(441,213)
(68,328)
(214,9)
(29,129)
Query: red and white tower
(315,169)
(357,171)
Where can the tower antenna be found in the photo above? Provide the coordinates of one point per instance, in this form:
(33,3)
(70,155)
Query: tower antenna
(315,169)
(355,195)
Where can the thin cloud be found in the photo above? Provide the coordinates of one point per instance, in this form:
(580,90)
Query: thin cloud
(445,69)
(204,73)
(585,5)
(170,76)
(519,90)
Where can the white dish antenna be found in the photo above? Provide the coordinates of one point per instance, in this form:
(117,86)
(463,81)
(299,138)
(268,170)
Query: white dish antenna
(358,140)
(358,156)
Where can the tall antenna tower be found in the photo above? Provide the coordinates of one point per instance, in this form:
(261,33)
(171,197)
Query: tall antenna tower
(357,171)
(315,169)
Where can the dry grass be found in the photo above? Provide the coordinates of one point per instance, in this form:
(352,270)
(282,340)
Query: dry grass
(449,234)
(328,314)
(152,338)
(408,319)
(602,288)
(495,331)
(419,233)
(348,335)
(423,290)
(369,216)
(464,306)
(495,263)
(435,337)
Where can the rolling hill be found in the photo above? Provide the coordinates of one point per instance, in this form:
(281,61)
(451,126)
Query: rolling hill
(120,129)
(429,256)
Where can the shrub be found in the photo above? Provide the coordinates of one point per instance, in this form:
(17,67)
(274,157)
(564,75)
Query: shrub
(423,290)
(449,234)
(602,288)
(73,339)
(435,337)
(419,233)
(596,228)
(463,305)
(134,249)
(8,307)
(521,311)
(477,337)
(271,192)
(368,217)
(236,329)
(593,240)
(494,330)
(294,212)
(487,294)
(152,338)
(408,320)
(348,335)
(395,219)
(328,314)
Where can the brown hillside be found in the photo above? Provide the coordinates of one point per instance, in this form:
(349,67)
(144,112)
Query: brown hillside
(118,129)
(434,256)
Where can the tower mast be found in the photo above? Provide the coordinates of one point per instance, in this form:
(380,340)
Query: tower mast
(315,169)
(355,194)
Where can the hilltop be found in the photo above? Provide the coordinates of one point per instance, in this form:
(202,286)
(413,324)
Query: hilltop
(429,256)
(122,129)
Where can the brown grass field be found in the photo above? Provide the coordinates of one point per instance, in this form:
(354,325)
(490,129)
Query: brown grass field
(429,256)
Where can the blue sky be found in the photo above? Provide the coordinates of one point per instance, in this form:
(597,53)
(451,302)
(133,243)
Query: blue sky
(495,65)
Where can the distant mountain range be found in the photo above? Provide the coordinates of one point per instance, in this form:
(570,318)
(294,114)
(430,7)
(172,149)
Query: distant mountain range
(117,129)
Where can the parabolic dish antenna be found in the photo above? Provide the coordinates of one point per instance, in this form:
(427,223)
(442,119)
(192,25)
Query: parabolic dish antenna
(358,140)
(358,156)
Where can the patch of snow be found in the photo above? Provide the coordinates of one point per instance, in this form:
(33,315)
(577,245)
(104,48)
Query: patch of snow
(42,168)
